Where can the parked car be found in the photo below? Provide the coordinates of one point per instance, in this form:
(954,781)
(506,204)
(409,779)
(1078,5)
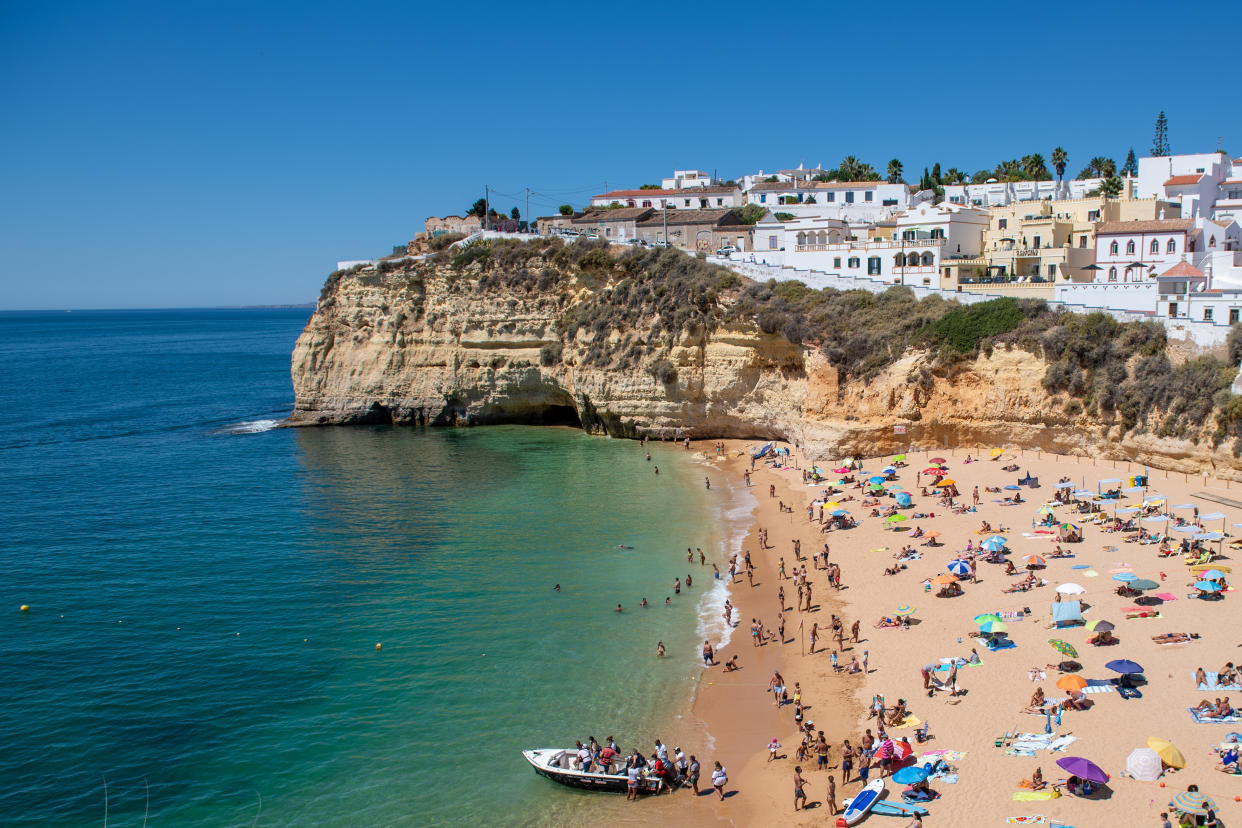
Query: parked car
(727,250)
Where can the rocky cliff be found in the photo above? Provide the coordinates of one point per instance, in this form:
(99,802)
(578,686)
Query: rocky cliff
(442,343)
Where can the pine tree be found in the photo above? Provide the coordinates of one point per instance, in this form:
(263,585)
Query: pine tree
(1130,168)
(935,173)
(1160,144)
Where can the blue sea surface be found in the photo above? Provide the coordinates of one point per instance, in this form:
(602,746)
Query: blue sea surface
(207,592)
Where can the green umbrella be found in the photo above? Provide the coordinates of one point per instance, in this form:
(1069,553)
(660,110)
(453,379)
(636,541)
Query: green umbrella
(1063,647)
(895,518)
(986,617)
(901,458)
(1143,583)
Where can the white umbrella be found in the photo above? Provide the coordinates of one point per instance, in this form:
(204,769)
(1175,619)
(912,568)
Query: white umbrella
(1213,516)
(1144,765)
(1156,519)
(1070,589)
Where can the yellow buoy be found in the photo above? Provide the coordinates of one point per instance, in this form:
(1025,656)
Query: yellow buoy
(379,646)
(25,607)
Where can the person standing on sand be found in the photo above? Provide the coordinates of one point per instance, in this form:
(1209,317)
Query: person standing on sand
(854,631)
(719,779)
(772,490)
(692,774)
(814,633)
(780,625)
(830,798)
(781,571)
(799,788)
(975,494)
(746,475)
(707,481)
(707,654)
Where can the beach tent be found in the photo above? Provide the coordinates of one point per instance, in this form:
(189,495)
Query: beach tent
(1066,613)
(1144,765)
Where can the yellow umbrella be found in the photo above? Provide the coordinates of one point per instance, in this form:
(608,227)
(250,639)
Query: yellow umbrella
(944,481)
(1169,754)
(832,505)
(997,452)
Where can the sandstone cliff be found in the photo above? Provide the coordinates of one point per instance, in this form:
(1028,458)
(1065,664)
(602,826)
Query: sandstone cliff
(432,346)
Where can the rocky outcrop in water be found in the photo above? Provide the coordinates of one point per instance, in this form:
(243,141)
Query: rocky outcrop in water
(433,346)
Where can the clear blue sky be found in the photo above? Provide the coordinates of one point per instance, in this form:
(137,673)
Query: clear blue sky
(191,154)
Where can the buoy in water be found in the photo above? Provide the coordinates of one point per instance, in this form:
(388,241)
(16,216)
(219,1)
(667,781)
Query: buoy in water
(379,646)
(25,608)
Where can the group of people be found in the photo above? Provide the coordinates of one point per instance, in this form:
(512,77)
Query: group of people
(673,771)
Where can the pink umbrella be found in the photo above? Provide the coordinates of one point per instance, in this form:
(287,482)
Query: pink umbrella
(842,470)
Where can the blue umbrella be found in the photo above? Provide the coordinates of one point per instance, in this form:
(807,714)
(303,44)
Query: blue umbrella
(1065,485)
(1110,480)
(1184,506)
(1207,586)
(838,512)
(1156,519)
(889,469)
(1000,538)
(1189,527)
(959,568)
(1011,486)
(1211,575)
(876,479)
(1128,510)
(911,775)
(1125,576)
(993,545)
(1123,666)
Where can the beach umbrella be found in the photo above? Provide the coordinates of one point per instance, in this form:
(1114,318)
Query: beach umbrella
(1208,536)
(1148,600)
(1034,560)
(1125,576)
(993,545)
(876,488)
(842,470)
(1144,765)
(1156,519)
(1100,625)
(1066,485)
(934,472)
(1167,751)
(993,627)
(897,518)
(944,481)
(889,470)
(1124,666)
(1110,480)
(959,568)
(900,458)
(1069,666)
(1068,683)
(1070,589)
(1069,527)
(876,479)
(935,533)
(1000,538)
(1083,493)
(1154,500)
(1213,516)
(996,452)
(1063,647)
(1083,769)
(1128,510)
(1143,583)
(986,617)
(913,774)
(838,512)
(936,460)
(904,609)
(1193,802)
(1133,489)
(1207,586)
(1211,574)
(901,748)
(945,578)
(1186,527)
(1183,506)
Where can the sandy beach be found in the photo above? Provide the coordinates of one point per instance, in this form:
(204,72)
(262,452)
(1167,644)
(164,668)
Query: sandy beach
(741,716)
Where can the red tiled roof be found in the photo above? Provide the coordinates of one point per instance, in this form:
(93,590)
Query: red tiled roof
(1184,270)
(1149,226)
(1182,180)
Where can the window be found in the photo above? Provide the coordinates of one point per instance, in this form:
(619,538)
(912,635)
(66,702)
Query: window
(1234,315)
(836,262)
(1155,246)
(687,202)
(1093,215)
(937,233)
(1002,224)
(832,197)
(720,202)
(1171,247)
(1035,244)
(873,266)
(867,195)
(1173,309)
(1112,274)
(849,196)
(771,242)
(763,198)
(1082,241)
(1207,314)
(1052,271)
(1129,247)
(646,203)
(1112,249)
(854,262)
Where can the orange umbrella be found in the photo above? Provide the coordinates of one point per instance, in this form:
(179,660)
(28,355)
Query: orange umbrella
(1068,683)
(946,578)
(1034,560)
(944,481)
(935,533)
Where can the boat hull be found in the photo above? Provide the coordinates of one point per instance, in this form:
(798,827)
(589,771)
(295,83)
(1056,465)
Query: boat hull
(567,776)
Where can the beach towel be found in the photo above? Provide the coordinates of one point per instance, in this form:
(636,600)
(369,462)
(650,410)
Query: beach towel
(908,721)
(1166,596)
(1129,693)
(1091,573)
(1200,718)
(946,755)
(1081,566)
(946,778)
(1001,644)
(1035,796)
(1101,688)
(1014,751)
(1212,685)
(1032,819)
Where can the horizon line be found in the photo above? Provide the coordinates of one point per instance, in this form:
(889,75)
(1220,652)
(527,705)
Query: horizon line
(279,306)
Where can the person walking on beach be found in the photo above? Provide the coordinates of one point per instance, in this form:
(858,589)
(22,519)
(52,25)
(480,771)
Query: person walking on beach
(830,798)
(708,482)
(780,625)
(799,788)
(746,474)
(975,494)
(772,490)
(707,654)
(693,774)
(781,571)
(854,631)
(719,779)
(814,633)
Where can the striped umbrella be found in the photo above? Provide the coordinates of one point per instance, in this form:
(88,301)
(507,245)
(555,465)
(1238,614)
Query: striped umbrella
(993,627)
(1063,647)
(905,609)
(1034,560)
(959,568)
(1193,802)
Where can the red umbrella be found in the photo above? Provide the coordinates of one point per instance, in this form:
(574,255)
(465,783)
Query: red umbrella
(936,460)
(935,472)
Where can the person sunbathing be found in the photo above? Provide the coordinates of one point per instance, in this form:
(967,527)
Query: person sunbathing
(887,622)
(1010,569)
(1223,709)
(992,489)
(893,570)
(898,713)
(1174,638)
(1037,699)
(1201,678)
(917,533)
(1227,674)
(986,528)
(1076,701)
(1206,707)
(1059,553)
(1102,639)
(1035,783)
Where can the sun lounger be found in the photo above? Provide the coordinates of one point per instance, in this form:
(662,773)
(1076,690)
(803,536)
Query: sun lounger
(1200,718)
(1212,685)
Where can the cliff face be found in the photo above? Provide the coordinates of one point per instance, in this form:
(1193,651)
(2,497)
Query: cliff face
(435,349)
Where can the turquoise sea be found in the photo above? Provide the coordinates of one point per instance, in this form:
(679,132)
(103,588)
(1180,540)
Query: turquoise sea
(207,592)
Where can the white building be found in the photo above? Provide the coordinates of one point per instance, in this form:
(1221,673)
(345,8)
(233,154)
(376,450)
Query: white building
(1205,184)
(690,198)
(687,179)
(909,249)
(798,174)
(851,201)
(994,193)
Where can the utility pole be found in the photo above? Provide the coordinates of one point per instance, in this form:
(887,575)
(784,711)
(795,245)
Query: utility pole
(528,209)
(485,203)
(665,212)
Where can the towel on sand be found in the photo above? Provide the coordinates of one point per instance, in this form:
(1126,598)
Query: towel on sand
(1212,678)
(1166,596)
(946,755)
(908,721)
(1030,819)
(1202,719)
(1100,688)
(1034,796)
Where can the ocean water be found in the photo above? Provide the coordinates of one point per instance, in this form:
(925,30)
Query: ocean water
(207,592)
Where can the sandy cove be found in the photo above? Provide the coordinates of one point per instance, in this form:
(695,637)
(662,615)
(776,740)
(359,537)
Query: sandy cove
(742,718)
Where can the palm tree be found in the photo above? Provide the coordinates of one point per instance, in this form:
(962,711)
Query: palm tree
(1059,159)
(1109,168)
(1033,165)
(954,176)
(1096,165)
(894,171)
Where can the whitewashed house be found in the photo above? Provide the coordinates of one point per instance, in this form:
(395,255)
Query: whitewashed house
(688,179)
(1204,184)
(691,198)
(852,201)
(994,193)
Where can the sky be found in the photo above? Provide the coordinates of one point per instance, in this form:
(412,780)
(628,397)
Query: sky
(207,154)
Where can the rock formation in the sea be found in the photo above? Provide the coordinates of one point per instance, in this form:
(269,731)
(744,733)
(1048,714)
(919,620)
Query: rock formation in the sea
(475,340)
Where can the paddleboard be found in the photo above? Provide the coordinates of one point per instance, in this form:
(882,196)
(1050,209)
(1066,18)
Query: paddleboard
(861,804)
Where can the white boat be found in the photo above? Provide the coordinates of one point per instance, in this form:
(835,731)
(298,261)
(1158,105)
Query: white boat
(862,803)
(559,765)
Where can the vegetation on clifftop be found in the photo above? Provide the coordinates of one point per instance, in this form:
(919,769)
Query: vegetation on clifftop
(627,308)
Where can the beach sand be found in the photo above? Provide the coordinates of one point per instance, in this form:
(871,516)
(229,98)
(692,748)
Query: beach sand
(741,717)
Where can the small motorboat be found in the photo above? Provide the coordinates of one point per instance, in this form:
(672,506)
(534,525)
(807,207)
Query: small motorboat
(862,803)
(558,764)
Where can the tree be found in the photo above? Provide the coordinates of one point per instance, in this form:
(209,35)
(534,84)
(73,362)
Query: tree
(1059,159)
(935,175)
(478,209)
(650,187)
(925,181)
(1160,142)
(751,213)
(1111,187)
(954,176)
(981,176)
(515,214)
(1035,168)
(567,210)
(771,179)
(1130,168)
(1099,167)
(1109,168)
(1010,170)
(894,171)
(854,169)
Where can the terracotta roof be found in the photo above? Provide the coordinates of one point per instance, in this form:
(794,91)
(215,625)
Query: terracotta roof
(619,214)
(1150,226)
(1182,180)
(1232,181)
(683,217)
(817,185)
(1182,270)
(634,193)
